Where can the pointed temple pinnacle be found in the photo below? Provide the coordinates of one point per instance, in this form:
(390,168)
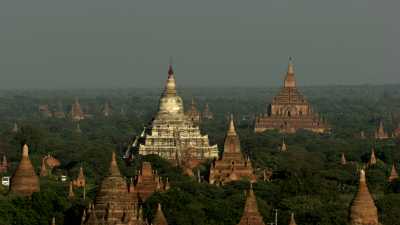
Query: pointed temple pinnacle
(292,220)
(363,209)
(114,170)
(170,86)
(290,81)
(290,66)
(25,151)
(231,130)
(170,70)
(362,176)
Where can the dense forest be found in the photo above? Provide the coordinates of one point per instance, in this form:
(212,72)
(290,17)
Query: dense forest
(308,179)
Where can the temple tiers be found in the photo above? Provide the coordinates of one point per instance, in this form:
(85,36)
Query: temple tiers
(113,203)
(363,210)
(147,182)
(251,215)
(193,114)
(292,220)
(76,111)
(25,181)
(80,181)
(232,166)
(380,132)
(290,111)
(171,131)
(207,114)
(393,174)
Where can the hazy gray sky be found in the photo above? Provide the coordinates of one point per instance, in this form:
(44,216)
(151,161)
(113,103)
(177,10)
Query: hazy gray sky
(113,43)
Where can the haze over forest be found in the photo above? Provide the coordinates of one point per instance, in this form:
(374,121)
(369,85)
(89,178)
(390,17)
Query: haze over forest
(102,43)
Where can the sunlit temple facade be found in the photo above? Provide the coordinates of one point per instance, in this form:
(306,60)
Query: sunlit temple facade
(290,111)
(172,132)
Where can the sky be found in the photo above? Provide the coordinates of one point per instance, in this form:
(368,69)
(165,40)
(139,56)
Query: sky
(128,43)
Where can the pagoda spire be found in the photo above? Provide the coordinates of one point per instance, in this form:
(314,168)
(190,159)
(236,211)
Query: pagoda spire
(292,220)
(159,218)
(114,170)
(43,169)
(363,210)
(231,129)
(343,160)
(251,214)
(284,146)
(71,193)
(372,160)
(393,174)
(290,81)
(170,85)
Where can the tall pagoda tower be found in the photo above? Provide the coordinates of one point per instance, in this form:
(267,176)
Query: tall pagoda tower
(380,132)
(25,181)
(76,111)
(233,165)
(289,110)
(172,132)
(251,215)
(363,210)
(113,203)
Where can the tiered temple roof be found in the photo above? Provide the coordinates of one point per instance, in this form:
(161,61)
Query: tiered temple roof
(76,111)
(25,181)
(171,131)
(363,210)
(232,165)
(113,203)
(380,132)
(393,174)
(290,111)
(193,114)
(148,182)
(251,215)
